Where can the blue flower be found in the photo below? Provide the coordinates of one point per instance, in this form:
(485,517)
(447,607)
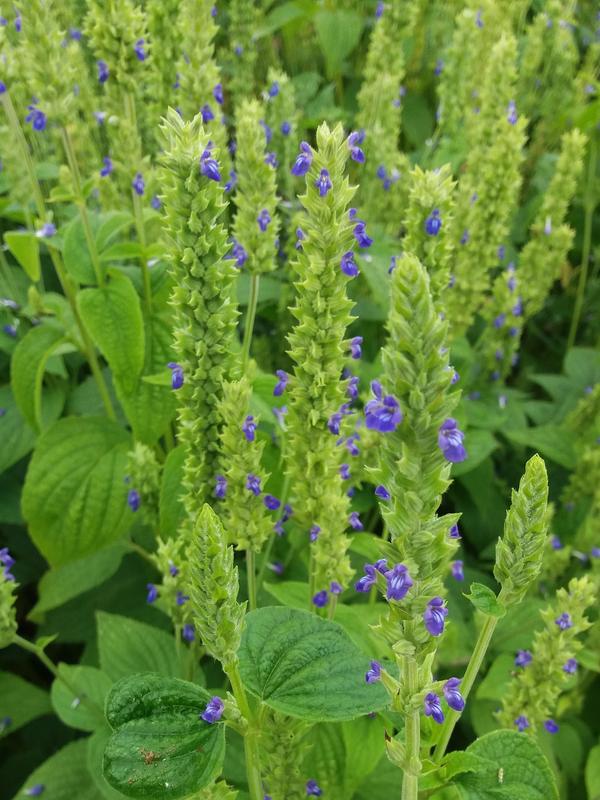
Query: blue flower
(133,499)
(152,593)
(181,598)
(368,579)
(360,234)
(457,570)
(398,582)
(103,71)
(382,493)
(433,223)
(188,633)
(336,588)
(551,726)
(323,182)
(220,487)
(271,160)
(139,50)
(249,428)
(47,231)
(435,615)
(348,265)
(218,93)
(523,658)
(209,166)
(138,185)
(380,9)
(313,789)
(207,113)
(355,347)
(354,140)
(286,128)
(303,161)
(253,484)
(453,697)
(156,203)
(383,413)
(465,237)
(267,130)
(355,522)
(9,330)
(373,673)
(511,113)
(321,599)
(36,117)
(352,388)
(450,441)
(314,533)
(564,621)
(107,168)
(274,89)
(238,254)
(345,472)
(232,182)
(570,667)
(213,711)
(333,423)
(522,723)
(432,707)
(271,502)
(280,415)
(176,374)
(37,789)
(263,220)
(281,383)
(173,570)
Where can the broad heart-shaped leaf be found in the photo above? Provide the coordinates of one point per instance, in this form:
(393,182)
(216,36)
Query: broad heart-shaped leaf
(305,666)
(149,407)
(74,498)
(27,368)
(592,773)
(20,702)
(64,776)
(518,769)
(113,317)
(83,709)
(160,747)
(127,646)
(338,33)
(25,247)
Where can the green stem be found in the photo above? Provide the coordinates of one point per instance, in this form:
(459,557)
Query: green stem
(250,317)
(81,205)
(589,204)
(39,653)
(466,684)
(141,551)
(251,577)
(251,750)
(412,732)
(138,212)
(271,542)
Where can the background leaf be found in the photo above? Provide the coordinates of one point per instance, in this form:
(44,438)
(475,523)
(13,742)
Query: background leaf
(20,702)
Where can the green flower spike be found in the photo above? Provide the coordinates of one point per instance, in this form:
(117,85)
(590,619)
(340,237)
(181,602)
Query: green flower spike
(144,474)
(282,118)
(8,612)
(203,299)
(318,350)
(244,18)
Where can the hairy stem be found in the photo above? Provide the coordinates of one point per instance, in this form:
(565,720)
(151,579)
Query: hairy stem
(251,750)
(410,781)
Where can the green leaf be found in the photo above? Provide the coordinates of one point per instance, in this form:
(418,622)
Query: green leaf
(20,702)
(76,254)
(62,584)
(27,368)
(85,708)
(517,768)
(461,761)
(159,746)
(551,441)
(126,646)
(171,508)
(417,119)
(95,756)
(305,666)
(17,437)
(25,247)
(338,33)
(592,773)
(113,317)
(109,227)
(74,498)
(494,685)
(64,776)
(484,599)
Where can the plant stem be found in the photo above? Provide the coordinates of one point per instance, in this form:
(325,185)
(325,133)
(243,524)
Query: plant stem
(81,205)
(589,205)
(466,684)
(410,781)
(251,578)
(250,317)
(251,750)
(141,232)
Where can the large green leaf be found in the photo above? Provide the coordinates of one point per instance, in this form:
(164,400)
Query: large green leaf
(150,407)
(62,584)
(64,776)
(592,773)
(127,646)
(84,707)
(338,33)
(518,768)
(113,317)
(305,666)
(25,247)
(551,441)
(160,747)
(20,702)
(27,368)
(74,498)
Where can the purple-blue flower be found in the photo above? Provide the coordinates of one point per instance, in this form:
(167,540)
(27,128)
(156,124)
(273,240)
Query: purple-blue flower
(314,533)
(354,521)
(304,160)
(249,428)
(253,484)
(138,185)
(9,330)
(36,790)
(523,658)
(382,493)
(551,726)
(383,413)
(285,128)
(263,220)
(433,223)
(282,382)
(556,543)
(274,89)
(133,499)
(220,487)
(139,50)
(47,231)
(570,666)
(348,265)
(36,117)
(271,160)
(511,113)
(188,633)
(453,697)
(352,388)
(450,441)
(107,168)
(457,570)
(435,615)
(176,374)
(238,254)
(207,113)
(181,598)
(213,711)
(360,234)
(152,593)
(271,502)
(103,71)
(333,423)
(564,621)
(218,93)
(313,789)
(156,202)
(345,472)
(522,723)
(398,582)
(433,708)
(209,166)
(321,598)
(323,182)
(355,347)
(373,673)
(368,579)
(335,587)
(355,139)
